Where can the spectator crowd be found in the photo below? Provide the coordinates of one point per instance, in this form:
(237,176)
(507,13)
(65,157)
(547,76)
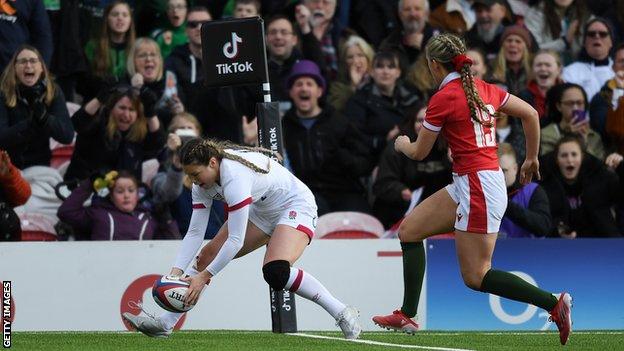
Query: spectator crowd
(97,96)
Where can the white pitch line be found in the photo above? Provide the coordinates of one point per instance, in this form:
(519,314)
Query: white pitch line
(545,333)
(378,343)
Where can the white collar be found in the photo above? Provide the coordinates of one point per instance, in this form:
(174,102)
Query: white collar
(449,77)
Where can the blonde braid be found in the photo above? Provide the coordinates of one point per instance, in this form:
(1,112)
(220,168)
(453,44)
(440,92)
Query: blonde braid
(449,47)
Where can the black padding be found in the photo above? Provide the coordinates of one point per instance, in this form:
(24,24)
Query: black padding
(276,274)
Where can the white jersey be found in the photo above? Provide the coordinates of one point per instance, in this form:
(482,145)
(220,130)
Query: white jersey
(249,196)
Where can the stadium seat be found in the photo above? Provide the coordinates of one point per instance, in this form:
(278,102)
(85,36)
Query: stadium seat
(61,155)
(393,233)
(37,235)
(348,225)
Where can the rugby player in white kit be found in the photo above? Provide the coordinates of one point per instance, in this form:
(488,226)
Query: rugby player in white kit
(267,205)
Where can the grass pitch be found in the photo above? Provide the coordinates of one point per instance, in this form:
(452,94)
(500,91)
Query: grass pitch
(313,341)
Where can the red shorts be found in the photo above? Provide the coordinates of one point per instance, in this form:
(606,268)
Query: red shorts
(481,199)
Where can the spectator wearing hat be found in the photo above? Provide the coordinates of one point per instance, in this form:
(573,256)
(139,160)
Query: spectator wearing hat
(556,25)
(594,66)
(487,31)
(409,39)
(324,149)
(512,64)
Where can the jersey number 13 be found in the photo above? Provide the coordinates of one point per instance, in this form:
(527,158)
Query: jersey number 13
(485,136)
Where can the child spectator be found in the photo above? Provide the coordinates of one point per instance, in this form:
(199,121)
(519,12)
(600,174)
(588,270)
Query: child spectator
(528,213)
(108,52)
(173,33)
(117,216)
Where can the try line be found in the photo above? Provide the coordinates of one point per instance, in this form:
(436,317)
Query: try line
(378,343)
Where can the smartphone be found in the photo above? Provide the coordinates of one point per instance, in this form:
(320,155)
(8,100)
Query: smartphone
(579,116)
(186,133)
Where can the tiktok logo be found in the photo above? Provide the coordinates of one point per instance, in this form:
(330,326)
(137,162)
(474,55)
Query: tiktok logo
(230,49)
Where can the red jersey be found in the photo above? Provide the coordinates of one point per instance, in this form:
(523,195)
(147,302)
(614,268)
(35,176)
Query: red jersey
(472,144)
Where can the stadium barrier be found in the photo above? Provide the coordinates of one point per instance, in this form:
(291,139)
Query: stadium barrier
(85,286)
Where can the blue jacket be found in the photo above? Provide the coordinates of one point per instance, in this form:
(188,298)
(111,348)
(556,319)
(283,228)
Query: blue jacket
(24,22)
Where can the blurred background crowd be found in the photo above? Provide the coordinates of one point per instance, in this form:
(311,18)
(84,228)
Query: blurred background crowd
(96,96)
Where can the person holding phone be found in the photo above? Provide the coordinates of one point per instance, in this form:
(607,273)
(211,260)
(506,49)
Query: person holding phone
(568,113)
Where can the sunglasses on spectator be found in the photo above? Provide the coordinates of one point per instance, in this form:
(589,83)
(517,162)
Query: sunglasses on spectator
(597,33)
(195,24)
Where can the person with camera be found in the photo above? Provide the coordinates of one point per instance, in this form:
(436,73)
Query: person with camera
(14,191)
(567,106)
(32,109)
(171,188)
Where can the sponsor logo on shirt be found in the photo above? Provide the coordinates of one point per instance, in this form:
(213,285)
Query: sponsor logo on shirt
(8,12)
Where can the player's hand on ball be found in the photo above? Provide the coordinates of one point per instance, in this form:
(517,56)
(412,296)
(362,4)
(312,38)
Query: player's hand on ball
(401,143)
(197,283)
(529,169)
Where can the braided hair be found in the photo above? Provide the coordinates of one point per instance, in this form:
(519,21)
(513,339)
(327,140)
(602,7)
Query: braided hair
(199,151)
(450,50)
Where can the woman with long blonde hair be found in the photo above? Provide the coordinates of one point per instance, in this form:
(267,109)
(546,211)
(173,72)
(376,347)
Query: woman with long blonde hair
(32,110)
(473,205)
(354,71)
(513,62)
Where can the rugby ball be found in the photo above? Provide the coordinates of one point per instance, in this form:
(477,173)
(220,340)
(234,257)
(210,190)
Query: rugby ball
(169,292)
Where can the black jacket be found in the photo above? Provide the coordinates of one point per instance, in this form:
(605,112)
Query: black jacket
(375,115)
(397,172)
(330,156)
(407,55)
(188,70)
(27,24)
(27,139)
(598,189)
(95,152)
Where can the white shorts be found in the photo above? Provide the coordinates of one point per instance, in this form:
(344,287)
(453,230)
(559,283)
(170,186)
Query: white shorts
(481,199)
(299,215)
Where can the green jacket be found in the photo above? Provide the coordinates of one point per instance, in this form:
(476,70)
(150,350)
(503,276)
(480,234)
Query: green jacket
(117,57)
(551,134)
(178,37)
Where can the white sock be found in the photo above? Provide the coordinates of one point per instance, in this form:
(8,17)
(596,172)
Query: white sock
(169,319)
(305,285)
